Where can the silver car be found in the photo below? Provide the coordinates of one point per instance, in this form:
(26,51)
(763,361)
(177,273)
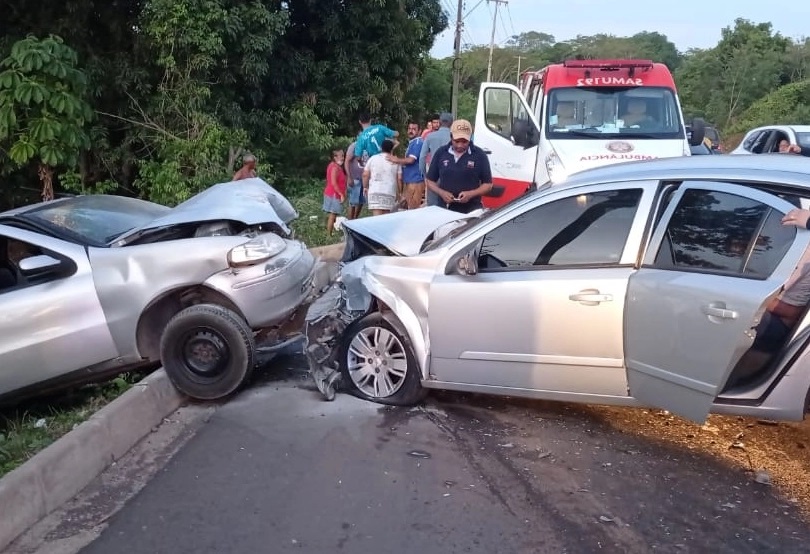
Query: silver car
(637,284)
(94,285)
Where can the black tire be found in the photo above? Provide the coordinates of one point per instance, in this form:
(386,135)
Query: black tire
(207,330)
(407,390)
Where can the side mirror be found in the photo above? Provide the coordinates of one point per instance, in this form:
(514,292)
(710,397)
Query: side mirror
(698,133)
(495,192)
(468,263)
(38,264)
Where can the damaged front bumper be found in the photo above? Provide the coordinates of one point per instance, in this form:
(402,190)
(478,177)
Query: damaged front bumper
(326,320)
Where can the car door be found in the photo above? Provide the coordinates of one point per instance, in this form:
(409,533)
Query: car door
(50,319)
(508,131)
(545,310)
(717,256)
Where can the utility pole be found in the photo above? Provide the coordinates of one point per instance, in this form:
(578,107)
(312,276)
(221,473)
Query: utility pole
(492,38)
(518,75)
(456,62)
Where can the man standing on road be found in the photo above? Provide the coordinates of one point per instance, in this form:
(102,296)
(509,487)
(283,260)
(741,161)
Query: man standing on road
(435,141)
(248,169)
(369,143)
(412,178)
(460,173)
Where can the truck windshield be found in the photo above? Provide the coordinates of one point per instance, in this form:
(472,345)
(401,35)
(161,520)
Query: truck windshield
(599,112)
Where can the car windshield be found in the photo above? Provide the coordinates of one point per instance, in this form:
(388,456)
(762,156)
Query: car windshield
(96,220)
(601,113)
(803,139)
(472,222)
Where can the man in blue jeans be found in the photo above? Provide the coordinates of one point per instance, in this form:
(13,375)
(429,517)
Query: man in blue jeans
(412,177)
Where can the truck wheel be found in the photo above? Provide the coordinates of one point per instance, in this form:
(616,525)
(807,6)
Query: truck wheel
(207,351)
(378,363)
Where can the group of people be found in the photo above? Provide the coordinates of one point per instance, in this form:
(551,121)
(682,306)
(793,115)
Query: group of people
(441,167)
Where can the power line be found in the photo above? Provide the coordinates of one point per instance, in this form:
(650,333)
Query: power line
(509,12)
(471,10)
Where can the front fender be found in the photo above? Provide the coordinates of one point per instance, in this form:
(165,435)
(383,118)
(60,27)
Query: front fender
(409,323)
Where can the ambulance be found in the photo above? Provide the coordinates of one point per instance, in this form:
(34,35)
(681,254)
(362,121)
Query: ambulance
(577,115)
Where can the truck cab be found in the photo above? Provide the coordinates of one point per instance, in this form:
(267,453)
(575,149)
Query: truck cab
(577,115)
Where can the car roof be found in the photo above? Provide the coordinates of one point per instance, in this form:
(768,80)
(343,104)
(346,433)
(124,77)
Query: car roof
(785,169)
(795,128)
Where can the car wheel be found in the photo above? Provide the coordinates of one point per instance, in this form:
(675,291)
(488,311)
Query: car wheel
(207,351)
(378,363)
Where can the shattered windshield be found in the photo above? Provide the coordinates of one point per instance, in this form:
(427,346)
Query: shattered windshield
(96,220)
(598,112)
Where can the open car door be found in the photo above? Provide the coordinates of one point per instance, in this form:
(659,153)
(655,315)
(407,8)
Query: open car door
(718,255)
(506,129)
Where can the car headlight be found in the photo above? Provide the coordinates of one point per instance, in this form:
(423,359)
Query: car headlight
(256,250)
(555,169)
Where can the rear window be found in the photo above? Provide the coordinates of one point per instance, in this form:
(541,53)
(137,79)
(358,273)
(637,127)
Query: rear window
(96,220)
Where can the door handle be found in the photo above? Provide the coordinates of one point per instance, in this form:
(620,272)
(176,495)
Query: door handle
(719,310)
(590,297)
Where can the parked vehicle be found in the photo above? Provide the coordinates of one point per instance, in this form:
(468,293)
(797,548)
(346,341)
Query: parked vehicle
(96,285)
(577,115)
(636,284)
(764,140)
(713,136)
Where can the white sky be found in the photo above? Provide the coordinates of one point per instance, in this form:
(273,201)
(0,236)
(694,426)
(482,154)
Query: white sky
(687,23)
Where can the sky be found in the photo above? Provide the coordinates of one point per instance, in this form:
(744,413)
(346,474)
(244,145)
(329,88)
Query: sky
(687,23)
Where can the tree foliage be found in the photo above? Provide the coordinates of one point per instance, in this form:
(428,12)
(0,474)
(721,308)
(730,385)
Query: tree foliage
(43,114)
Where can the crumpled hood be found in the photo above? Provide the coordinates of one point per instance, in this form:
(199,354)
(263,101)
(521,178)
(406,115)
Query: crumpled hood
(578,155)
(406,231)
(250,201)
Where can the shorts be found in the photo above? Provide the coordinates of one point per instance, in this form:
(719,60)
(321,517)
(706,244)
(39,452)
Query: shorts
(332,205)
(356,197)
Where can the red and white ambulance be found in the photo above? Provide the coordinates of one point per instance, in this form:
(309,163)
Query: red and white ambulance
(576,115)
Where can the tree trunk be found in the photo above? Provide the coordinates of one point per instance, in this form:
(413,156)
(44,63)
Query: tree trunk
(46,176)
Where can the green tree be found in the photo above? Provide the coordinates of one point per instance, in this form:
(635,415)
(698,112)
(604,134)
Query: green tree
(43,112)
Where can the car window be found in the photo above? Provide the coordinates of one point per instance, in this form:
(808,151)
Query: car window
(97,220)
(748,144)
(12,252)
(759,144)
(588,229)
(717,232)
(506,115)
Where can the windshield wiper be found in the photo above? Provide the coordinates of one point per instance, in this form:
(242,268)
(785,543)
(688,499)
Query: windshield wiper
(579,133)
(641,135)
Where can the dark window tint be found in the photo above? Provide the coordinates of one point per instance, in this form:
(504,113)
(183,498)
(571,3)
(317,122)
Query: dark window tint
(580,230)
(720,232)
(749,142)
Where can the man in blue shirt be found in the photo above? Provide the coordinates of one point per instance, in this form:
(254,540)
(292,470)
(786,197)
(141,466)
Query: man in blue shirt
(460,174)
(371,138)
(436,140)
(412,177)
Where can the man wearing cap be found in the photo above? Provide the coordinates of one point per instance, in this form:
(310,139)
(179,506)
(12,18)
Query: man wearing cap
(435,141)
(459,173)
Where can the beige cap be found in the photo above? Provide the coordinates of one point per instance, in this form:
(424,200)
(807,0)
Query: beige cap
(461,128)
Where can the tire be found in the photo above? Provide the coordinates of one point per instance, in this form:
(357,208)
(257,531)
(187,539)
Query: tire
(194,334)
(378,363)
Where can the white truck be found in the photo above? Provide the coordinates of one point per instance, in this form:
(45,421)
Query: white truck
(576,115)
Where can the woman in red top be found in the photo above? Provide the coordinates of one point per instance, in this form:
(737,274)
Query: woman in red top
(334,193)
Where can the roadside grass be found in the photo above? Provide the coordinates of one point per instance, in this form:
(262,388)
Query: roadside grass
(33,425)
(310,227)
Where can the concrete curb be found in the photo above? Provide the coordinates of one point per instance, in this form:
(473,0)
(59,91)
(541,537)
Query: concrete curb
(60,471)
(329,253)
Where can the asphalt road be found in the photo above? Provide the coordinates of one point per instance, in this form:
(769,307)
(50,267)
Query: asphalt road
(279,470)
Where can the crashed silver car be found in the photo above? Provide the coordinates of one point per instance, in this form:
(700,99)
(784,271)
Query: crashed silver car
(639,284)
(95,285)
